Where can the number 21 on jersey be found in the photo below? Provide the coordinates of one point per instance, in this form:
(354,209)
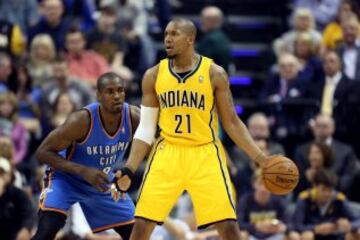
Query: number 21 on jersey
(183,123)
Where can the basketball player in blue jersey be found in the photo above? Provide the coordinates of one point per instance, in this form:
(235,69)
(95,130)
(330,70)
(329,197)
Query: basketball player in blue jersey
(81,156)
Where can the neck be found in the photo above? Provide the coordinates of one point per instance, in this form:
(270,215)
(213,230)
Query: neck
(108,117)
(63,83)
(185,60)
(106,29)
(54,23)
(332,75)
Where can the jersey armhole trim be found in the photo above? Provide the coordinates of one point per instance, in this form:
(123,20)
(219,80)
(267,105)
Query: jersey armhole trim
(130,121)
(90,128)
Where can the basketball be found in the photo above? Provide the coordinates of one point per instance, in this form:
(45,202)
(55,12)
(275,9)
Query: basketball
(280,175)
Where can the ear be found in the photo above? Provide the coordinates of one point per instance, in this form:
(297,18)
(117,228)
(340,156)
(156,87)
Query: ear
(191,40)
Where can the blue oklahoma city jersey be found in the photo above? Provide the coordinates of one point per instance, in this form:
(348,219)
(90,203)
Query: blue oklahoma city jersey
(99,149)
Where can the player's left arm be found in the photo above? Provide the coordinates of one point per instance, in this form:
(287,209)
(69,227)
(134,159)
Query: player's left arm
(233,126)
(135,117)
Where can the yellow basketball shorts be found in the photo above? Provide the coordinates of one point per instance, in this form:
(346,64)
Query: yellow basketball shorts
(199,170)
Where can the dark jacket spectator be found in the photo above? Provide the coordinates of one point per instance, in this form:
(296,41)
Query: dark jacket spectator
(16,211)
(214,43)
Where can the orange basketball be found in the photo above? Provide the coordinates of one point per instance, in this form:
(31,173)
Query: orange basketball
(280,175)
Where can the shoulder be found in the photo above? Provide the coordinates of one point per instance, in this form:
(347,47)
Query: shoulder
(339,196)
(79,119)
(134,111)
(341,145)
(153,71)
(150,76)
(218,74)
(304,195)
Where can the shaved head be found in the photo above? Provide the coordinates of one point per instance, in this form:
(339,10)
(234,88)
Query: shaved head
(186,26)
(104,79)
(211,18)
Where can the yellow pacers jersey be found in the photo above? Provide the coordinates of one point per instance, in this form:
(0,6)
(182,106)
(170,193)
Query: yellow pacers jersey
(187,110)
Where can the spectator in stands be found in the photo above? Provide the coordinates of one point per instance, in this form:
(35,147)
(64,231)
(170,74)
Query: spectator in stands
(322,213)
(81,93)
(52,22)
(323,127)
(259,129)
(7,150)
(23,13)
(286,84)
(303,22)
(29,100)
(349,51)
(17,213)
(11,126)
(5,71)
(83,64)
(319,156)
(82,13)
(12,39)
(260,214)
(42,53)
(333,35)
(107,41)
(331,90)
(130,10)
(324,11)
(307,53)
(214,43)
(140,53)
(132,22)
(63,106)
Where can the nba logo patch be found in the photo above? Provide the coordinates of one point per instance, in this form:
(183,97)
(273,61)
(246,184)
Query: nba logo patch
(201,79)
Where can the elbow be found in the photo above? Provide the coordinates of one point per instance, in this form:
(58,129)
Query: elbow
(39,156)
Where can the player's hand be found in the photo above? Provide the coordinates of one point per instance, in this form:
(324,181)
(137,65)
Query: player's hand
(23,234)
(123,179)
(96,178)
(116,194)
(343,225)
(325,228)
(262,163)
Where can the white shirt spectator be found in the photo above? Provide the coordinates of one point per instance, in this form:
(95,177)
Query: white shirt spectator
(350,60)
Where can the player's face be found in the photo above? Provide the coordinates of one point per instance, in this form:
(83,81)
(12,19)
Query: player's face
(175,40)
(112,96)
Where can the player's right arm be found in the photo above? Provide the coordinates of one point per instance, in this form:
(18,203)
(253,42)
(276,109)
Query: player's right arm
(145,132)
(73,130)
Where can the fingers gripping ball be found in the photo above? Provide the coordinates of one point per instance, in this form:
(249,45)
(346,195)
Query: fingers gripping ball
(280,175)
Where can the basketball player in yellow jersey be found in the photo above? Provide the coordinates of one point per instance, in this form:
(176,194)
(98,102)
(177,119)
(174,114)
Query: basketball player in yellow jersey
(183,95)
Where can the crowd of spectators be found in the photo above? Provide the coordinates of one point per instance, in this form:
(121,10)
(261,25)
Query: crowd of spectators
(52,51)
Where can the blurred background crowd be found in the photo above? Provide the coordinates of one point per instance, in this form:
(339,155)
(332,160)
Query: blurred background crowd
(294,70)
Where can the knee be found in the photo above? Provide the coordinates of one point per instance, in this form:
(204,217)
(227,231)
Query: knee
(293,236)
(49,224)
(352,235)
(228,228)
(142,229)
(308,235)
(244,235)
